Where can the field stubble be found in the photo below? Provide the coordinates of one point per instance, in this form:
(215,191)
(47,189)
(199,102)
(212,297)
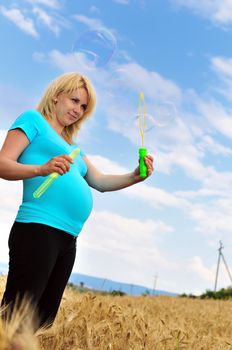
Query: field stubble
(89,321)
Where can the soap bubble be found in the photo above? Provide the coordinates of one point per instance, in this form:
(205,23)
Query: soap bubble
(147,123)
(160,115)
(97,47)
(164,113)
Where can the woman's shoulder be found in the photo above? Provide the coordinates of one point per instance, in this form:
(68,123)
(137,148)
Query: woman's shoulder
(29,122)
(31,117)
(30,113)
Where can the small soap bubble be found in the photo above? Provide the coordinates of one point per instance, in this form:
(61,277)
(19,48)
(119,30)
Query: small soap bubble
(160,115)
(164,113)
(145,123)
(96,47)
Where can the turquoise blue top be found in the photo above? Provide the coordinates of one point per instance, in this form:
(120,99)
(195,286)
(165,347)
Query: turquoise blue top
(67,203)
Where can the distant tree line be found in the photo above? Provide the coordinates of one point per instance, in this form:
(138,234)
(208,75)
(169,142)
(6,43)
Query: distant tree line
(81,288)
(224,293)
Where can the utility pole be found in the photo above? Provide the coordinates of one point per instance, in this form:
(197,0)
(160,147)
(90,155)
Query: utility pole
(220,255)
(154,286)
(103,283)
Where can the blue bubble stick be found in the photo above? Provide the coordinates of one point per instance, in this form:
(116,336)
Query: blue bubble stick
(52,177)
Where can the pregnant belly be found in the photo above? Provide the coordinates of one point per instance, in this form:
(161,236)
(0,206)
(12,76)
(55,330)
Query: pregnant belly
(74,197)
(69,198)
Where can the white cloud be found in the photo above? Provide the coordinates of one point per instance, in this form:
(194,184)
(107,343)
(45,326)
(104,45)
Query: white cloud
(65,62)
(213,217)
(219,117)
(18,18)
(36,15)
(115,247)
(154,86)
(155,197)
(5,231)
(91,23)
(47,20)
(218,11)
(209,145)
(222,66)
(126,247)
(208,274)
(197,266)
(11,192)
(122,2)
(94,9)
(54,4)
(223,14)
(106,165)
(209,218)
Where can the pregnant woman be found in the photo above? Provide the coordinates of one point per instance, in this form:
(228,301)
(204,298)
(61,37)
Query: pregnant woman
(42,241)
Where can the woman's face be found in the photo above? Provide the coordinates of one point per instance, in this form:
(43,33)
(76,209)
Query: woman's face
(70,107)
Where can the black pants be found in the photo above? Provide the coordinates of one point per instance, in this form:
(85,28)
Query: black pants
(41,261)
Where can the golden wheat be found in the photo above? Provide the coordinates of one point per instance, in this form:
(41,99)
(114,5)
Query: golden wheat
(88,321)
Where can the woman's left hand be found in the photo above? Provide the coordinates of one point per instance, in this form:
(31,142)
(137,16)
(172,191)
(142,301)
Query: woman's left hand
(149,164)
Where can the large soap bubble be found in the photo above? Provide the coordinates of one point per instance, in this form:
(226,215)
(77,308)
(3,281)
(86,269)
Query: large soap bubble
(96,47)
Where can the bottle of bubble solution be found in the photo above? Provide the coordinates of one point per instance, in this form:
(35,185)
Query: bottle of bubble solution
(142,126)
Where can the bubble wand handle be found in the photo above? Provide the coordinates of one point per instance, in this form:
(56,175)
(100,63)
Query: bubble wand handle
(52,177)
(142,127)
(142,165)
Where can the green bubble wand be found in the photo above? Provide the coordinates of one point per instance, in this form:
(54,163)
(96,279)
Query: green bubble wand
(142,112)
(52,177)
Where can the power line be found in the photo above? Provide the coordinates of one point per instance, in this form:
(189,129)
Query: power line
(221,256)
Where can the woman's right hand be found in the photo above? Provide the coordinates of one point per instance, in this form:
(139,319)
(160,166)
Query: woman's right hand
(59,164)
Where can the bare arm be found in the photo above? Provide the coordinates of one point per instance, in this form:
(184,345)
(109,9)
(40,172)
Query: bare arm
(15,143)
(105,183)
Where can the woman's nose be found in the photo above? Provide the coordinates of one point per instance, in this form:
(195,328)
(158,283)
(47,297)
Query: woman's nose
(77,109)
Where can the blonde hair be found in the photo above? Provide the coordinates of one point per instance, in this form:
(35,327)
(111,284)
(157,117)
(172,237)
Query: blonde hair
(67,83)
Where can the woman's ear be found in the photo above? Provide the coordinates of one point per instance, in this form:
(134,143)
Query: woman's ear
(55,99)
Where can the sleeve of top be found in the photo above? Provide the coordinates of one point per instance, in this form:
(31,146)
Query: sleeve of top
(27,123)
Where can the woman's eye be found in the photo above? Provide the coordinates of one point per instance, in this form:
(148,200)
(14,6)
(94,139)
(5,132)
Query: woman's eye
(77,101)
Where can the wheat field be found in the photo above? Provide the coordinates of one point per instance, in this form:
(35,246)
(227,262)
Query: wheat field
(88,321)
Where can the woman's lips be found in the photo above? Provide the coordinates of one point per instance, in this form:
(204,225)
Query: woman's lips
(73,117)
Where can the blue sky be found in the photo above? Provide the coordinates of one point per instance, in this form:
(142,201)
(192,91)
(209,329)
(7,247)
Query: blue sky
(178,52)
